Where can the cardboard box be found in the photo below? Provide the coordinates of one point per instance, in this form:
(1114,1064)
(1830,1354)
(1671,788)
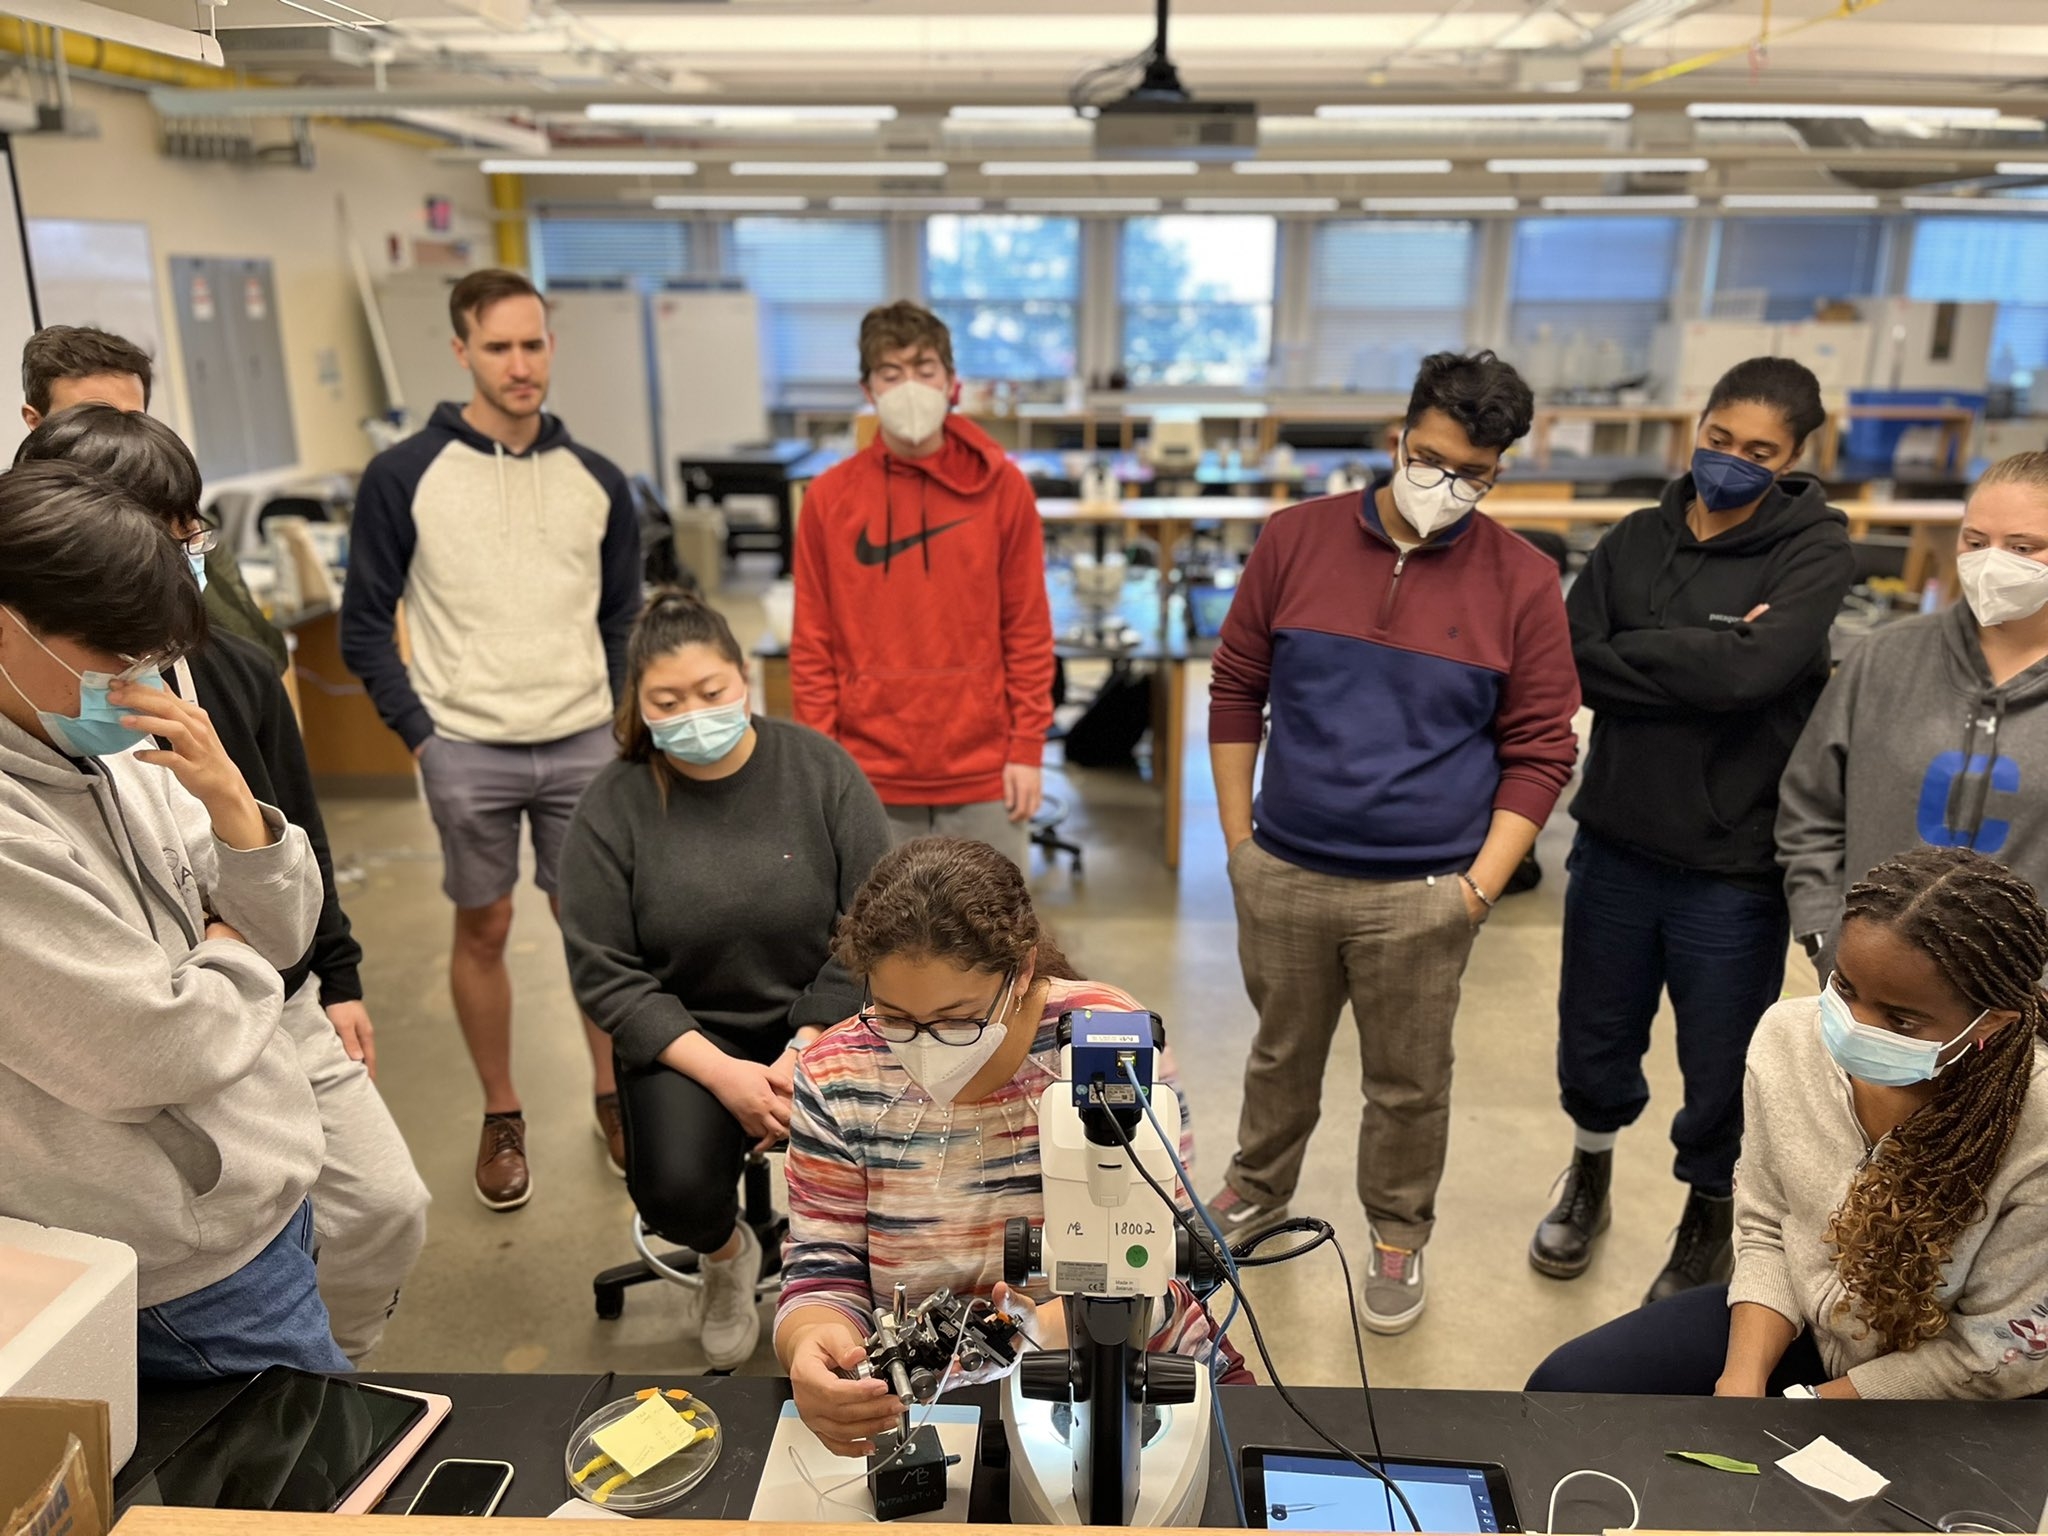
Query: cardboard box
(33,1435)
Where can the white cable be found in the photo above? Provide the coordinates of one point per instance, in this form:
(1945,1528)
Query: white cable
(1635,1510)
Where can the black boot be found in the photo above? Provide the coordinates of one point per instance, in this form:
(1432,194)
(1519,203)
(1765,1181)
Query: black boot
(1563,1245)
(1704,1249)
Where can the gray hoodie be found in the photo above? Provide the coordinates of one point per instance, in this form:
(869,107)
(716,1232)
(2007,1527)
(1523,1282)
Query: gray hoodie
(1912,744)
(147,1091)
(1801,1147)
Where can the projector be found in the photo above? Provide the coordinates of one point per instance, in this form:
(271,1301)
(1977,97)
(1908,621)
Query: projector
(1157,127)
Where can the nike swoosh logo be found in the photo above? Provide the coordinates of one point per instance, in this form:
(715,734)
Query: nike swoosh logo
(882,554)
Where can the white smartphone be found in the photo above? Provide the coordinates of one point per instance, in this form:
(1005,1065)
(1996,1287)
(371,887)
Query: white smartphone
(458,1487)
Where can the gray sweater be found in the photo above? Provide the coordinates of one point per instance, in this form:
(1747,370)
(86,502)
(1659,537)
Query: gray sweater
(715,912)
(1801,1147)
(147,1091)
(1881,765)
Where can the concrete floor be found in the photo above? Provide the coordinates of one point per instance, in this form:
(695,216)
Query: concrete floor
(512,1292)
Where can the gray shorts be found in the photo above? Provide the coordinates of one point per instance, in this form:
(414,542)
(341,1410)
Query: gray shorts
(477,794)
(985,821)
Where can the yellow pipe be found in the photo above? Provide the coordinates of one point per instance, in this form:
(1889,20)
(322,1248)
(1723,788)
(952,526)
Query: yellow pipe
(1842,12)
(82,52)
(508,204)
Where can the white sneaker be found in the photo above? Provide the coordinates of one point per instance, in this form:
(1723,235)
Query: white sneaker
(731,1324)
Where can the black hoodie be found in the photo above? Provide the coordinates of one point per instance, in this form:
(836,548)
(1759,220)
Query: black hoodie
(1697,709)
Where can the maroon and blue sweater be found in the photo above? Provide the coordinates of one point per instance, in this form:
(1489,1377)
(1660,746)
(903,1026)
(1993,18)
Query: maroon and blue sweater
(1411,695)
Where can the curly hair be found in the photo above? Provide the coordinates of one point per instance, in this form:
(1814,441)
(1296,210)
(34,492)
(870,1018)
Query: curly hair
(1924,1185)
(947,898)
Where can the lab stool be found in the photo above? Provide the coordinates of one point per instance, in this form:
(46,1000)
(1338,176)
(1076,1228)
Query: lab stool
(1045,833)
(680,1266)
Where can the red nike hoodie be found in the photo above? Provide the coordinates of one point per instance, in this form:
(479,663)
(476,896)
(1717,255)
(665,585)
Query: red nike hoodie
(923,644)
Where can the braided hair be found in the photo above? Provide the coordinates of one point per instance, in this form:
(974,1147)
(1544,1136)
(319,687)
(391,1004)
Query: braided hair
(1924,1185)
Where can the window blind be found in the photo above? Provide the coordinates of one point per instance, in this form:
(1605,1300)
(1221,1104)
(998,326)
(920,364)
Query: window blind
(1593,291)
(2002,261)
(1797,262)
(1007,287)
(1197,294)
(1383,295)
(645,252)
(814,279)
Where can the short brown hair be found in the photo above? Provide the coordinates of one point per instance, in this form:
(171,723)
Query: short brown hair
(671,619)
(480,290)
(78,352)
(893,327)
(952,899)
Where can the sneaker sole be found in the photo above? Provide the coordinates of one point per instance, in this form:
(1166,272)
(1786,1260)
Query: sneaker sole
(1244,1233)
(597,1129)
(503,1205)
(1387,1327)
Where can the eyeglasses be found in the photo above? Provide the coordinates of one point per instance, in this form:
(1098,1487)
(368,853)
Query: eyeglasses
(1427,477)
(898,1031)
(204,542)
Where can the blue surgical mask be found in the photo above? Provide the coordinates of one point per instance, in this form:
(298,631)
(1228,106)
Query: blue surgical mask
(1878,1056)
(703,736)
(96,730)
(198,568)
(1725,481)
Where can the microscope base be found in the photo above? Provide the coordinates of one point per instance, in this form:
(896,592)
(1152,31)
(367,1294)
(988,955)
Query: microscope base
(1173,1471)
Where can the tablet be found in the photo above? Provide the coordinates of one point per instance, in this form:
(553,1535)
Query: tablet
(1323,1491)
(299,1442)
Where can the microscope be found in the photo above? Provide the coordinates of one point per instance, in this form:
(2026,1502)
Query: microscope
(1103,1432)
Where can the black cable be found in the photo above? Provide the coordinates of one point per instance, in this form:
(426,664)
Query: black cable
(583,1403)
(1196,1235)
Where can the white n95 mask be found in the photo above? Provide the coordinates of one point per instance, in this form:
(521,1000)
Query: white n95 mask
(912,412)
(1428,509)
(2001,586)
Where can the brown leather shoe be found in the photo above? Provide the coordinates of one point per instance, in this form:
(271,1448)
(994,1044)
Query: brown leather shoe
(502,1182)
(611,1130)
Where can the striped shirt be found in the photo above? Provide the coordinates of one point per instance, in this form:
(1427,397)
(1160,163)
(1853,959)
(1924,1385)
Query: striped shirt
(886,1186)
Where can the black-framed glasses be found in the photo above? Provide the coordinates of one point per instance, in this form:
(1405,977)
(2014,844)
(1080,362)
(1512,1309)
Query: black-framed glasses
(204,542)
(1427,477)
(900,1031)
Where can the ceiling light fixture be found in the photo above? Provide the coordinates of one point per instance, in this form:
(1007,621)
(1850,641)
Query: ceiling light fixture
(1260,204)
(1083,205)
(1088,168)
(682,114)
(1013,115)
(1840,201)
(1954,116)
(1653,204)
(2033,205)
(1342,167)
(730,202)
(1533,111)
(1597,167)
(838,168)
(2023,167)
(1441,204)
(566,167)
(905,204)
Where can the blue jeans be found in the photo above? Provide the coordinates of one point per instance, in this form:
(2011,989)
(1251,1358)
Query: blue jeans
(1634,926)
(268,1312)
(1676,1346)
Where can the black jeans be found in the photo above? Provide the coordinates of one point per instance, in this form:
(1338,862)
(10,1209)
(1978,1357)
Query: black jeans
(1633,927)
(684,1150)
(1675,1347)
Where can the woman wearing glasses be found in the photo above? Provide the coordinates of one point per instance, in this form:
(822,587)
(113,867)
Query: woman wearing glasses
(369,1206)
(915,1135)
(1700,628)
(149,1092)
(701,879)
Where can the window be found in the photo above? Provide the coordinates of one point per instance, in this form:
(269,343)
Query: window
(645,252)
(1780,269)
(1197,297)
(1007,289)
(814,279)
(1588,296)
(2004,261)
(1385,295)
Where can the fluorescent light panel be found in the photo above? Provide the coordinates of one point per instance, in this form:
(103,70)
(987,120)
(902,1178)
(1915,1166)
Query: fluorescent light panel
(730,202)
(905,204)
(838,168)
(698,113)
(553,167)
(1815,200)
(1535,111)
(1441,204)
(2035,205)
(1342,167)
(2023,167)
(1083,205)
(1013,114)
(1088,168)
(1595,167)
(1747,109)
(1620,204)
(1260,204)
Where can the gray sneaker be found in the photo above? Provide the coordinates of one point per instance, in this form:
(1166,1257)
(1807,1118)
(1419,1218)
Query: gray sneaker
(1239,1219)
(1394,1293)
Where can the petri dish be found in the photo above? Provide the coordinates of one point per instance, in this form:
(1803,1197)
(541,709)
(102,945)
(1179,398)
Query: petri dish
(663,1483)
(1975,1522)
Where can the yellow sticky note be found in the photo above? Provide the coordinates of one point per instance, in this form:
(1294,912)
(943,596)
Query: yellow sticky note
(644,1438)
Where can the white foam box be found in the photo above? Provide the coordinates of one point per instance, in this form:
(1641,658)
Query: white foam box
(67,1321)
